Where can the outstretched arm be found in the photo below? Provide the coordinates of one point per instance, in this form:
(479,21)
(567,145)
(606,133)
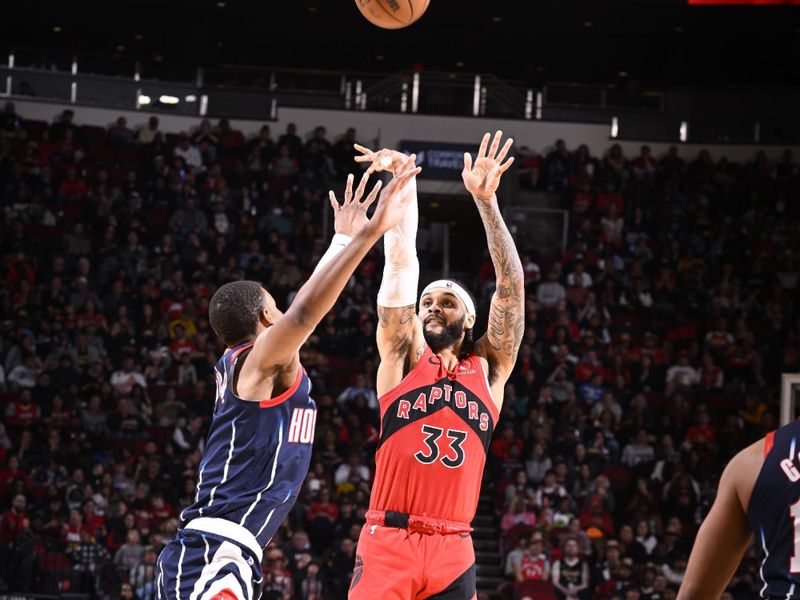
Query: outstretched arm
(507,313)
(280,343)
(725,533)
(399,332)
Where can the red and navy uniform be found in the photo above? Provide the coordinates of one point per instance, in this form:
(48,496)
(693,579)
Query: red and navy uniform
(774,514)
(255,461)
(436,426)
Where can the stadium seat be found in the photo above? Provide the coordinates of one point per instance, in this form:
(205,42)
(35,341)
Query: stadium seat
(534,590)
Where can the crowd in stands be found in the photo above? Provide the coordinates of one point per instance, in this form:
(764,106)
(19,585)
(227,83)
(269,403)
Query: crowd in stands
(652,353)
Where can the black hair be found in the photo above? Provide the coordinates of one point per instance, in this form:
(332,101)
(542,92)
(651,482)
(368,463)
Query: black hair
(234,311)
(468,345)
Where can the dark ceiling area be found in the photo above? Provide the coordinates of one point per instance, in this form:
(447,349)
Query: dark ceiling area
(661,42)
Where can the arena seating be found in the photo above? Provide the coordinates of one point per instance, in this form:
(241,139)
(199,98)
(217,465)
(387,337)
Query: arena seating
(652,353)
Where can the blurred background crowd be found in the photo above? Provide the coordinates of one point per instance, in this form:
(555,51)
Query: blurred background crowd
(652,352)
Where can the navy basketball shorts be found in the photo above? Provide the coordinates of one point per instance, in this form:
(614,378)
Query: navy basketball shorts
(201,565)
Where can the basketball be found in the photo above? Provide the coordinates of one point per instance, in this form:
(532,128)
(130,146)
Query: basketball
(392,14)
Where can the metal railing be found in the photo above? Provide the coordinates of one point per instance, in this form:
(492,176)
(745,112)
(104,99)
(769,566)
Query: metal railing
(640,113)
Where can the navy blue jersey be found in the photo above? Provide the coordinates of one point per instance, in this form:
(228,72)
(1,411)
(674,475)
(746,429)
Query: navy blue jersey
(257,453)
(774,514)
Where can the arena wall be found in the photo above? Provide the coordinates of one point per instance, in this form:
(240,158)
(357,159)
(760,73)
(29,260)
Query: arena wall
(387,129)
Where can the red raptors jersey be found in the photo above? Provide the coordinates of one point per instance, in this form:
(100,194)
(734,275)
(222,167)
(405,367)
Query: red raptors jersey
(435,431)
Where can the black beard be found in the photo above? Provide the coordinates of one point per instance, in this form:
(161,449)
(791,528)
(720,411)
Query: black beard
(449,335)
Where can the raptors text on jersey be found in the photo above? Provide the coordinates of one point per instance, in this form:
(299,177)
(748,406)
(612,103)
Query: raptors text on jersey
(436,426)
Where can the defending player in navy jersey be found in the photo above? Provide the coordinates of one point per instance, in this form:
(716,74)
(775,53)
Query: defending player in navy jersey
(259,443)
(758,496)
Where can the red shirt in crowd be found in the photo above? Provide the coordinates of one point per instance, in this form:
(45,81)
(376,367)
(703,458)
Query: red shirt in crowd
(12,524)
(700,433)
(323,509)
(533,568)
(72,189)
(21,414)
(501,447)
(606,199)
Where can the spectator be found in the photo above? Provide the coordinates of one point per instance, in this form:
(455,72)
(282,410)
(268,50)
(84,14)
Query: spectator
(188,152)
(191,436)
(291,140)
(517,514)
(127,376)
(149,133)
(13,522)
(343,152)
(571,573)
(206,140)
(682,375)
(120,135)
(352,471)
(130,554)
(278,584)
(551,292)
(538,464)
(534,564)
(359,388)
(10,121)
(143,575)
(87,558)
(639,451)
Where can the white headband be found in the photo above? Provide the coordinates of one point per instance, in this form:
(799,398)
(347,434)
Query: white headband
(454,288)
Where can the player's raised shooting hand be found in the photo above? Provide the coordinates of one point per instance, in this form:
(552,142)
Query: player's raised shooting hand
(482,178)
(393,202)
(385,159)
(350,217)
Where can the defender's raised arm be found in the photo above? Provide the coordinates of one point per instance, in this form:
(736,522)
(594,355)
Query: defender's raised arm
(313,301)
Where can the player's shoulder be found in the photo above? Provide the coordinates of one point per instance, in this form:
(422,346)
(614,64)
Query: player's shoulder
(743,470)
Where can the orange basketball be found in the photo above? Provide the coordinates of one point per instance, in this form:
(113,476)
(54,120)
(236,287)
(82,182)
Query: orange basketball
(392,14)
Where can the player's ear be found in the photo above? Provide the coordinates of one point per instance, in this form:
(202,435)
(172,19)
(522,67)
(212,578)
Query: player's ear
(265,319)
(469,322)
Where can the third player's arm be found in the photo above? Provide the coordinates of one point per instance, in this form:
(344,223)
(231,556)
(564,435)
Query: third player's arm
(725,532)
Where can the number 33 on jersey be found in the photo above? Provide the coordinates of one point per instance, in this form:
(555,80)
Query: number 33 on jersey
(436,427)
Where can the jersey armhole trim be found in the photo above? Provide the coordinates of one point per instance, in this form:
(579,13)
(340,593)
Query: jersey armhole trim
(495,412)
(270,402)
(232,356)
(769,441)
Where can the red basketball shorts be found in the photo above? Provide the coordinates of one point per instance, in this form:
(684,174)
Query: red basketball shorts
(415,562)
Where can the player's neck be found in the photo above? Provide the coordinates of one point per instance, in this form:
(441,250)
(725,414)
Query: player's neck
(449,356)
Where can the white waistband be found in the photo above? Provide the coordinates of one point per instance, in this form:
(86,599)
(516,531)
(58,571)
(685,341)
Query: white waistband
(228,529)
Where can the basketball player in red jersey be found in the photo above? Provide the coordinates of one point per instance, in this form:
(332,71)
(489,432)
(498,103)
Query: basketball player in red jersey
(440,396)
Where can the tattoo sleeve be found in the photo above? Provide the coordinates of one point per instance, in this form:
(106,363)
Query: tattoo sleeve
(507,312)
(395,327)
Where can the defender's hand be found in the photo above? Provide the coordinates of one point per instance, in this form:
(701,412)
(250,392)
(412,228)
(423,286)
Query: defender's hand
(350,217)
(381,160)
(482,178)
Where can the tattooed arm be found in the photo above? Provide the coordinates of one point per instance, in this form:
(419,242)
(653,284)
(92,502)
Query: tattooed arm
(507,313)
(400,344)
(399,333)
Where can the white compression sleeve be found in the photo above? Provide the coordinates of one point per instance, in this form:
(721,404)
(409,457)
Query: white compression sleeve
(401,270)
(338,243)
